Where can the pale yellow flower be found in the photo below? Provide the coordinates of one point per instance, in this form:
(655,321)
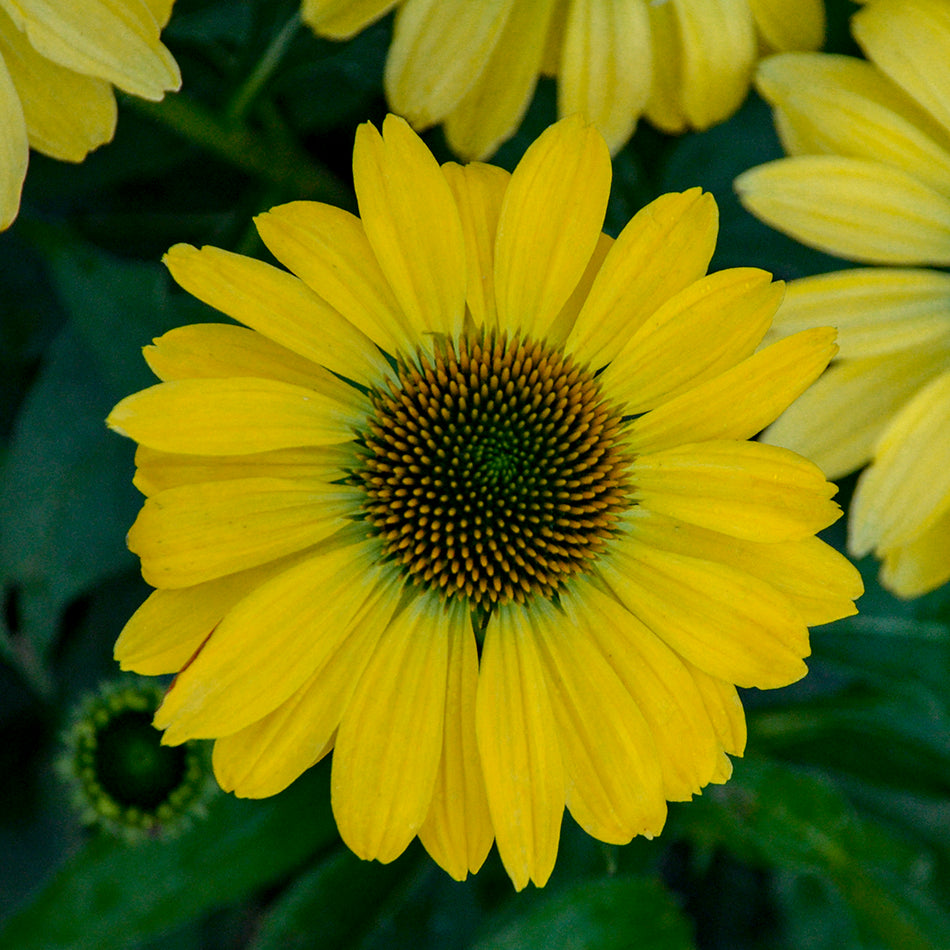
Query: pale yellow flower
(869,180)
(474,64)
(59,62)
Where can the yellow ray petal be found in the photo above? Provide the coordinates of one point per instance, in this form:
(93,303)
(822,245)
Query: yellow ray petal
(563,323)
(753,491)
(837,422)
(67,115)
(665,107)
(845,106)
(658,681)
(876,310)
(278,305)
(907,487)
(157,471)
(606,65)
(343,19)
(614,782)
(922,564)
(722,619)
(729,311)
(195,533)
(725,710)
(859,210)
(14,149)
(439,48)
(908,40)
(458,832)
(263,758)
(741,401)
(327,249)
(519,749)
(787,26)
(479,191)
(663,249)
(550,224)
(412,223)
(220,350)
(115,40)
(820,583)
(272,641)
(495,106)
(230,417)
(388,748)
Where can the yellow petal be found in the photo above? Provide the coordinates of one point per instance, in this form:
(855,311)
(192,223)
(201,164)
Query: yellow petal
(278,305)
(605,67)
(220,351)
(908,40)
(550,224)
(273,640)
(614,783)
(837,422)
(860,210)
(195,533)
(741,401)
(263,758)
(876,310)
(327,249)
(658,681)
(907,487)
(728,311)
(663,249)
(821,584)
(922,564)
(725,711)
(156,471)
(67,115)
(495,106)
(342,19)
(439,48)
(787,26)
(479,191)
(388,748)
(14,149)
(845,106)
(115,40)
(721,619)
(665,106)
(519,749)
(412,223)
(563,323)
(230,417)
(458,832)
(746,489)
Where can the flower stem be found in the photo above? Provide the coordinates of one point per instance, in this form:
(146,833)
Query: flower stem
(248,90)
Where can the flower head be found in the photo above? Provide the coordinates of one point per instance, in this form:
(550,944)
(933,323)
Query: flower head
(869,180)
(468,500)
(59,61)
(474,66)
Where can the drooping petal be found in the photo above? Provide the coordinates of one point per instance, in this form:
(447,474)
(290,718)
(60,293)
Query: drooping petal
(278,305)
(605,66)
(790,26)
(14,149)
(550,223)
(458,831)
(412,223)
(389,745)
(614,782)
(922,564)
(753,491)
(729,311)
(907,487)
(327,249)
(439,48)
(741,401)
(718,617)
(519,749)
(860,210)
(663,249)
(665,106)
(240,676)
(343,19)
(195,533)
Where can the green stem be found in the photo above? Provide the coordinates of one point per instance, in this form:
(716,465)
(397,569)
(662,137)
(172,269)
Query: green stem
(283,163)
(248,90)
